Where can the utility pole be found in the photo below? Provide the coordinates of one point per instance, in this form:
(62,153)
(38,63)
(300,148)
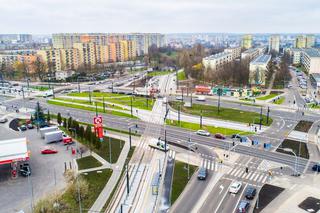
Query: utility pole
(104,105)
(130,137)
(90,95)
(131,106)
(177,80)
(78,84)
(165,140)
(201,119)
(219,91)
(112,87)
(179,114)
(53,95)
(260,119)
(96,109)
(127,178)
(191,99)
(182,94)
(268,115)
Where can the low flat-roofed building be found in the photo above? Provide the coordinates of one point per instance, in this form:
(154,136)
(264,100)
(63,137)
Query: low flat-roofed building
(310,60)
(258,69)
(235,52)
(217,61)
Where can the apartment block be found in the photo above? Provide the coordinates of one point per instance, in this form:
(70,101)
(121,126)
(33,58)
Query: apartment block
(301,41)
(69,59)
(310,60)
(253,53)
(235,52)
(246,42)
(217,61)
(52,58)
(274,43)
(295,55)
(87,53)
(258,69)
(8,60)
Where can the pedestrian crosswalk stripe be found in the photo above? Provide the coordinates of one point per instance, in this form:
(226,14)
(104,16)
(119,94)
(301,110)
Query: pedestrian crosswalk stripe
(264,179)
(236,174)
(212,166)
(243,174)
(252,176)
(260,178)
(233,172)
(255,179)
(248,174)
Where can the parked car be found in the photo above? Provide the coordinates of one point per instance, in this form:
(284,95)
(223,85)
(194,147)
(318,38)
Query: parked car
(236,136)
(202,173)
(219,136)
(179,98)
(235,187)
(30,126)
(25,170)
(48,150)
(203,132)
(243,206)
(3,120)
(316,167)
(250,192)
(23,128)
(201,98)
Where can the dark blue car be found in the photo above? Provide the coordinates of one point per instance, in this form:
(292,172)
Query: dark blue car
(316,168)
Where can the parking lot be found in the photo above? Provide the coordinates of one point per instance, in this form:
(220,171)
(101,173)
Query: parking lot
(47,172)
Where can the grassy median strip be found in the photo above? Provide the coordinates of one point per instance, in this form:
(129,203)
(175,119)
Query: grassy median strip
(266,97)
(224,114)
(211,129)
(137,101)
(88,162)
(89,108)
(159,73)
(182,76)
(180,179)
(279,101)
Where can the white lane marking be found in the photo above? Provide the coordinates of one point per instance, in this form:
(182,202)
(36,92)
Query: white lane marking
(234,210)
(221,188)
(212,165)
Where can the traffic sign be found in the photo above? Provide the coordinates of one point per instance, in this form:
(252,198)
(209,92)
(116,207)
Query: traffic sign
(97,120)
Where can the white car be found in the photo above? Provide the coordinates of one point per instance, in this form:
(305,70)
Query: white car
(235,187)
(179,98)
(201,98)
(203,132)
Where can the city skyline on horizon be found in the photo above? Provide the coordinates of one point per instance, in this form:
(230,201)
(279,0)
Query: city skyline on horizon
(167,17)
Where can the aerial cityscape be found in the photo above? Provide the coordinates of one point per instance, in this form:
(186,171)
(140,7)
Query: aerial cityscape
(159,106)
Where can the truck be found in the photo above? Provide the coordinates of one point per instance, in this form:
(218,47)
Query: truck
(55,136)
(48,129)
(67,139)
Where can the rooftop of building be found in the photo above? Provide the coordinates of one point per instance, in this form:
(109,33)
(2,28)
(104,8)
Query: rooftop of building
(316,76)
(262,59)
(251,50)
(216,56)
(312,52)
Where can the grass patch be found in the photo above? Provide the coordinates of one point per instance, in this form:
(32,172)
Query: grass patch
(180,179)
(158,73)
(267,97)
(88,162)
(182,76)
(295,146)
(40,88)
(279,100)
(303,126)
(116,148)
(130,153)
(96,182)
(314,106)
(137,102)
(225,113)
(88,108)
(211,129)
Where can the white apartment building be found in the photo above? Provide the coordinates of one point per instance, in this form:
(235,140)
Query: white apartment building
(217,61)
(258,69)
(295,55)
(8,60)
(235,52)
(310,60)
(274,43)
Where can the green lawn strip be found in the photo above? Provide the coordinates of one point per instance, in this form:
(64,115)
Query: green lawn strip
(121,114)
(99,103)
(279,101)
(180,179)
(266,97)
(295,145)
(211,129)
(225,113)
(96,182)
(88,162)
(130,153)
(159,73)
(313,106)
(137,102)
(182,76)
(40,88)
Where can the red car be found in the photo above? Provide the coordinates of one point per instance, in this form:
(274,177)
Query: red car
(219,136)
(67,140)
(49,150)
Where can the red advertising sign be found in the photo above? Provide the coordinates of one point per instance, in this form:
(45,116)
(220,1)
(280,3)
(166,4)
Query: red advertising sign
(97,120)
(98,128)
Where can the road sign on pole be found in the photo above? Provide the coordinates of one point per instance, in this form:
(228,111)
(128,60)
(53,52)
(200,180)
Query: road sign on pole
(97,119)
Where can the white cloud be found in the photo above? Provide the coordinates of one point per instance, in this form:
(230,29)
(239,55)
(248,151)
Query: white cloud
(48,16)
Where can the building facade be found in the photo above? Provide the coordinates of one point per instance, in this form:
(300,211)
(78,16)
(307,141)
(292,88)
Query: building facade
(235,52)
(258,69)
(310,60)
(274,43)
(253,53)
(246,41)
(217,61)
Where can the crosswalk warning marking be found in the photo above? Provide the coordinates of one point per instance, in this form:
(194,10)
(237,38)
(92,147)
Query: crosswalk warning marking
(264,179)
(237,173)
(243,175)
(255,179)
(212,166)
(260,178)
(248,174)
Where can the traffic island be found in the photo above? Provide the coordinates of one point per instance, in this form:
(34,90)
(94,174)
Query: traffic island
(265,196)
(299,148)
(180,178)
(303,126)
(310,204)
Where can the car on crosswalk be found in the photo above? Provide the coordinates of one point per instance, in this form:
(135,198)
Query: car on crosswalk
(203,132)
(235,187)
(202,173)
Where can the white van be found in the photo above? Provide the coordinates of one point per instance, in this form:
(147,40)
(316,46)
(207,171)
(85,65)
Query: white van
(201,98)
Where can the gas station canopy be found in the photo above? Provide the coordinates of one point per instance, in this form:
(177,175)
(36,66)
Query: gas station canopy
(13,150)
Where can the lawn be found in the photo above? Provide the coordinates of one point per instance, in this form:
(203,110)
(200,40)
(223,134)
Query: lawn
(267,97)
(88,108)
(88,162)
(182,76)
(96,182)
(137,102)
(180,179)
(40,88)
(279,101)
(116,148)
(158,73)
(295,145)
(303,126)
(225,113)
(211,129)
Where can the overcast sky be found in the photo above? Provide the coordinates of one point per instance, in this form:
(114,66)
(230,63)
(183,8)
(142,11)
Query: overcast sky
(165,16)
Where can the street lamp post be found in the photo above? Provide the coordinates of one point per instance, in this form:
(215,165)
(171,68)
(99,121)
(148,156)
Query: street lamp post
(296,158)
